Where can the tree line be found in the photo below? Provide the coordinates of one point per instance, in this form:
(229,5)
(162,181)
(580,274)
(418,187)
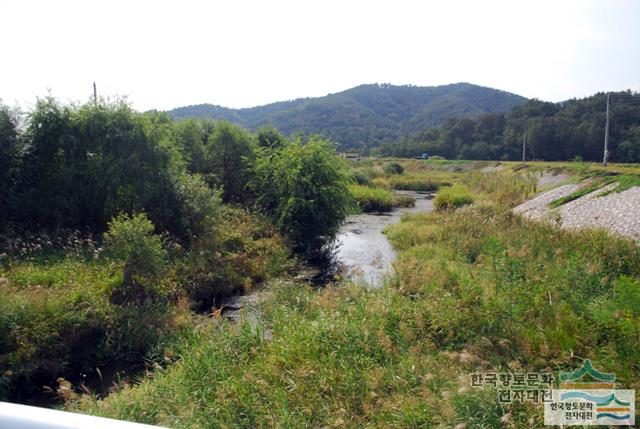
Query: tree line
(571,130)
(79,166)
(365,116)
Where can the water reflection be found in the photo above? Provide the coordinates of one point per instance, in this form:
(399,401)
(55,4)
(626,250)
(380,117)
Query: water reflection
(364,251)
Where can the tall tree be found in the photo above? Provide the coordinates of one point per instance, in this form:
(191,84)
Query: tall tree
(9,157)
(229,151)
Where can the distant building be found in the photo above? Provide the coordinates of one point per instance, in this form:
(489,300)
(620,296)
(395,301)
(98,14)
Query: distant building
(353,156)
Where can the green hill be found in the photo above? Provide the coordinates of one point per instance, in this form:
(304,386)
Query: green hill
(366,115)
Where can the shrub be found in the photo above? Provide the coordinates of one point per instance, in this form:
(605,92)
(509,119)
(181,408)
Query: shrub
(199,206)
(245,251)
(57,320)
(303,188)
(453,197)
(418,184)
(191,136)
(393,168)
(131,239)
(372,199)
(361,177)
(379,182)
(269,136)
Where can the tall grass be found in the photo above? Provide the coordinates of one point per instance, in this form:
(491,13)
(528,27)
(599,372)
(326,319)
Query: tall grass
(474,289)
(372,199)
(417,183)
(453,197)
(545,294)
(65,311)
(57,320)
(479,289)
(504,188)
(337,358)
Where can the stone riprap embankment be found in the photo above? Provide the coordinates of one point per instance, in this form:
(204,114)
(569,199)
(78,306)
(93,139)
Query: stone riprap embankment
(548,179)
(618,213)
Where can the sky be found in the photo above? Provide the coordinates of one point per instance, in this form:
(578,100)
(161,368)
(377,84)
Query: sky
(241,53)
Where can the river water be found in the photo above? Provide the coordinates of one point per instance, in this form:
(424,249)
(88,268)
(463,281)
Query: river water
(364,251)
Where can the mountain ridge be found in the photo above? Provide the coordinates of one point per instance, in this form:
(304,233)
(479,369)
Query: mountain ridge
(366,115)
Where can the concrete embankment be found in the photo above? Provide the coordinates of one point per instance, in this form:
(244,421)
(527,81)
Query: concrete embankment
(617,212)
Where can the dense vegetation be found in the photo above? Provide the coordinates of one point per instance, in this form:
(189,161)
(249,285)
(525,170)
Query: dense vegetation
(476,289)
(122,233)
(80,166)
(566,131)
(367,115)
(452,197)
(117,227)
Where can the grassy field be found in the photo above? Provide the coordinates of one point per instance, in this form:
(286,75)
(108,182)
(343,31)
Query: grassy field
(61,316)
(476,289)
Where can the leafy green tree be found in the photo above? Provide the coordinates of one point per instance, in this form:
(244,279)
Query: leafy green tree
(192,138)
(9,157)
(86,164)
(229,151)
(555,131)
(303,187)
(269,136)
(199,206)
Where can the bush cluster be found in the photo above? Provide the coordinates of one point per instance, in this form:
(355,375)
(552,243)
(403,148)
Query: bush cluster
(418,184)
(393,168)
(303,188)
(453,197)
(172,200)
(372,199)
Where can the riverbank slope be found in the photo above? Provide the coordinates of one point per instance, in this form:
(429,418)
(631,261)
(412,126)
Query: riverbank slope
(477,290)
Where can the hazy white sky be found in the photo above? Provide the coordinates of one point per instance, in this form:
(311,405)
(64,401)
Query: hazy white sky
(164,54)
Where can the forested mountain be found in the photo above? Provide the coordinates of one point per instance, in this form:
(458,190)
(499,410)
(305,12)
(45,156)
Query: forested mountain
(555,131)
(367,115)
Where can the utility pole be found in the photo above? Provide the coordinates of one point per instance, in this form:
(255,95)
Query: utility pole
(95,95)
(524,144)
(606,133)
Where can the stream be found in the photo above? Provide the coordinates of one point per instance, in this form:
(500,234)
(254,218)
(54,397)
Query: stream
(362,248)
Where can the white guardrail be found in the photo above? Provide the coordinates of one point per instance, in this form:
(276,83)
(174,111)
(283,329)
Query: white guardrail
(14,416)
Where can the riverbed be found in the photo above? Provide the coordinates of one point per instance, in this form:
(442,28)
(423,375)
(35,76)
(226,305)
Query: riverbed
(364,251)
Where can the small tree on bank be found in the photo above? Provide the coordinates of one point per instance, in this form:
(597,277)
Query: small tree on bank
(303,187)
